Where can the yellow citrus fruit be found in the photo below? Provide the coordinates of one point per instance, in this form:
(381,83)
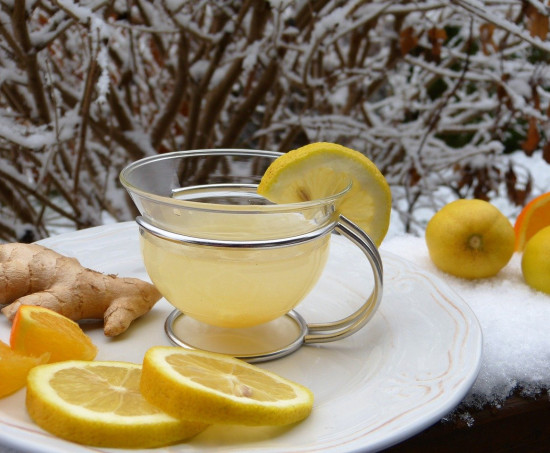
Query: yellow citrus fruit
(319,170)
(215,388)
(533,217)
(535,262)
(470,239)
(100,404)
(14,368)
(36,330)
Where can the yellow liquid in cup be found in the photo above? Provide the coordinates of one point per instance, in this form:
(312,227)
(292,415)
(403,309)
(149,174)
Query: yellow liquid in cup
(234,287)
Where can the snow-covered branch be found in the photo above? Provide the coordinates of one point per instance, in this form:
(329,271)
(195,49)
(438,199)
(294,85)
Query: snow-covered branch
(435,92)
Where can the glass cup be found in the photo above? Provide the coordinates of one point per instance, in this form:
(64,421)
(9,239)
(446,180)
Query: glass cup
(227,258)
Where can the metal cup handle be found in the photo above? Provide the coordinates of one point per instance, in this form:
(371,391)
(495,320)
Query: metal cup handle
(333,331)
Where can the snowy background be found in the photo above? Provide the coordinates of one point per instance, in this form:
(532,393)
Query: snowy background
(437,93)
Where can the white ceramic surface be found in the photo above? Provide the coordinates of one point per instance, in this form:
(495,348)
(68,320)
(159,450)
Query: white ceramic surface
(412,364)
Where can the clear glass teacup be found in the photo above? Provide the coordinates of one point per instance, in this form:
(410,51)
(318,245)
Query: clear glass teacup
(226,257)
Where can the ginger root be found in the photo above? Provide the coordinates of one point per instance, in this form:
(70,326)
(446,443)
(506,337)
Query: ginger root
(31,274)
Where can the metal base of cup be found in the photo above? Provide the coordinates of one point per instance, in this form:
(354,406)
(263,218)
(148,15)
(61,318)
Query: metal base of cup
(268,341)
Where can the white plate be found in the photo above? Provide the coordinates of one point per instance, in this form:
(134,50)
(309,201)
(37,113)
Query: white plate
(412,364)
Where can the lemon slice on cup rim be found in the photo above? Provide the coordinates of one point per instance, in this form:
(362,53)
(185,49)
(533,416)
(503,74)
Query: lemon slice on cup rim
(321,169)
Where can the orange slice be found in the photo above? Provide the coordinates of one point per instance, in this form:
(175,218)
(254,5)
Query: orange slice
(533,217)
(14,368)
(37,330)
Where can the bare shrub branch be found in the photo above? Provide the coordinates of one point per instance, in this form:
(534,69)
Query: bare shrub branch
(437,93)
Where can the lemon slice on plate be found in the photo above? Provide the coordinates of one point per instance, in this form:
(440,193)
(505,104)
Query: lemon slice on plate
(99,404)
(322,169)
(216,388)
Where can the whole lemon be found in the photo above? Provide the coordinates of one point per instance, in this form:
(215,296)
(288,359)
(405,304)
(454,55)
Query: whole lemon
(535,262)
(470,239)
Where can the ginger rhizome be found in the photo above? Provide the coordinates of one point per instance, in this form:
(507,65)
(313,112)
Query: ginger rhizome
(31,274)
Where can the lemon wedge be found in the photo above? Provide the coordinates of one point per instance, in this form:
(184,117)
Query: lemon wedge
(318,170)
(99,404)
(215,388)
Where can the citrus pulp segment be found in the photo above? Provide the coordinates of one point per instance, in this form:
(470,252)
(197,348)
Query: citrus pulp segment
(216,388)
(14,368)
(37,330)
(99,404)
(319,170)
(532,218)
